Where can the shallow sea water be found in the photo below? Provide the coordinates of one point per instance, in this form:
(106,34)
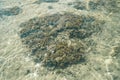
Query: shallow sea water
(103,47)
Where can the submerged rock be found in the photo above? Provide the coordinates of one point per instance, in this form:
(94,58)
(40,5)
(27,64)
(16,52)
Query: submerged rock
(80,5)
(105,5)
(56,40)
(10,11)
(48,1)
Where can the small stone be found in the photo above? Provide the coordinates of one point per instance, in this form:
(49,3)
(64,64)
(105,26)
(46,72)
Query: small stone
(50,7)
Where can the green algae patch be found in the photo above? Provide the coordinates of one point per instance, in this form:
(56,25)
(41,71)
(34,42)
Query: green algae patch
(57,40)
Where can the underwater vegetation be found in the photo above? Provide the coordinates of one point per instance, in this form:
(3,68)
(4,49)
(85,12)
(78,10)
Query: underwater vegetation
(79,34)
(50,7)
(113,6)
(10,11)
(91,5)
(80,5)
(65,55)
(97,5)
(116,51)
(48,1)
(57,40)
(94,5)
(109,5)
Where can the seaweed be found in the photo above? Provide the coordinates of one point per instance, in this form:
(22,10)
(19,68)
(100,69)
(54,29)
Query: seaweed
(64,55)
(78,5)
(116,51)
(43,36)
(108,6)
(81,34)
(10,11)
(48,1)
(50,7)
(111,6)
(97,5)
(72,21)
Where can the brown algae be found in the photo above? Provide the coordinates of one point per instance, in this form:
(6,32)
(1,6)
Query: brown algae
(46,40)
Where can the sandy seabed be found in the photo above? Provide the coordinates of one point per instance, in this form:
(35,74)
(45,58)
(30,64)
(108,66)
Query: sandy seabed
(103,58)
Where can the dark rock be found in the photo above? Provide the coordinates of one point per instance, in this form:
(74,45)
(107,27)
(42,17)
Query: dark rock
(79,5)
(10,11)
(48,1)
(50,7)
(93,5)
